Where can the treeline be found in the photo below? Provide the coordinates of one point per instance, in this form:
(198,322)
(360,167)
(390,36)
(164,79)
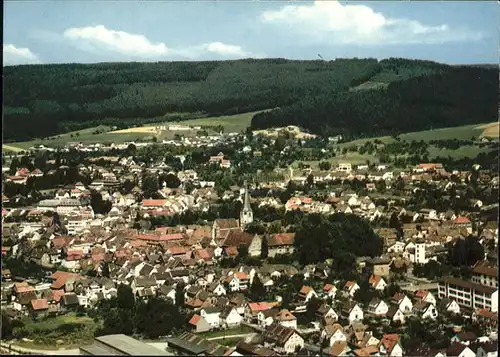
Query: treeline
(44,100)
(451,97)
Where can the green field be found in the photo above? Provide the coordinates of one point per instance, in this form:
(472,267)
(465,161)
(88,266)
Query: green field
(462,152)
(234,331)
(231,123)
(55,332)
(460,132)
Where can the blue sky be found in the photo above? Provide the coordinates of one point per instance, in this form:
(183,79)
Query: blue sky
(100,31)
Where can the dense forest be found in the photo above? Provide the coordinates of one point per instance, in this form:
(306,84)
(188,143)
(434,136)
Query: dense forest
(322,96)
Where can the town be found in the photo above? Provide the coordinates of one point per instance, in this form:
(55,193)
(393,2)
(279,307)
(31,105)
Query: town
(251,243)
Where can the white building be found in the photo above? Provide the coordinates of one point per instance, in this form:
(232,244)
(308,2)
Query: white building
(469,294)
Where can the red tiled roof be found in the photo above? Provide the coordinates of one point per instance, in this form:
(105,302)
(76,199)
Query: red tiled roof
(305,290)
(389,341)
(39,304)
(194,320)
(153,203)
(57,295)
(241,275)
(281,239)
(328,287)
(462,220)
(259,306)
(231,251)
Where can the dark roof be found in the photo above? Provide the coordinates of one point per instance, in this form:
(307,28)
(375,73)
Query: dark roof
(489,347)
(455,349)
(145,282)
(278,333)
(237,238)
(70,299)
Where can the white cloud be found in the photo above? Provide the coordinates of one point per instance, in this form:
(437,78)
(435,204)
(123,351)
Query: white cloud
(216,48)
(96,39)
(334,23)
(13,55)
(99,38)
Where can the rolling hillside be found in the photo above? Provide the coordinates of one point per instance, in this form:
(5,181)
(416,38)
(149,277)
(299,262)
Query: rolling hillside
(348,95)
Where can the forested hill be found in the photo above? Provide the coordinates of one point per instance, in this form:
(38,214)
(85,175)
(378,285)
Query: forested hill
(346,95)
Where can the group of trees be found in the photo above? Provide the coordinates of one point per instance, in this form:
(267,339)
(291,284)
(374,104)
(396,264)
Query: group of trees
(453,96)
(126,314)
(68,97)
(319,237)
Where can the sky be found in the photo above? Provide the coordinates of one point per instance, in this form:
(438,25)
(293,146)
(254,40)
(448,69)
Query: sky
(42,31)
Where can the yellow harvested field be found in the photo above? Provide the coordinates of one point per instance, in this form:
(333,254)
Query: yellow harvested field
(11,148)
(141,129)
(490,130)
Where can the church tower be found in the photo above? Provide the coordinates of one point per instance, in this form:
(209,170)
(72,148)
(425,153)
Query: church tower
(246,214)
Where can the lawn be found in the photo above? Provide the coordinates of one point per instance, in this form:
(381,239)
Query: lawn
(234,331)
(461,152)
(69,330)
(231,123)
(229,342)
(84,136)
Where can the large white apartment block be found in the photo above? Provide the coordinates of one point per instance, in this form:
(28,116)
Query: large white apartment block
(469,294)
(485,273)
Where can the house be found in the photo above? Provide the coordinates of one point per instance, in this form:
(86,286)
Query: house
(229,317)
(255,247)
(489,349)
(239,281)
(351,312)
(377,282)
(425,296)
(286,318)
(449,305)
(329,290)
(306,293)
(280,244)
(403,302)
(252,310)
(38,308)
(464,337)
(469,294)
(378,307)
(325,313)
(334,334)
(351,287)
(199,324)
(283,339)
(394,314)
(425,310)
(390,345)
(378,266)
(216,288)
(337,349)
(266,318)
(457,349)
(485,273)
(211,316)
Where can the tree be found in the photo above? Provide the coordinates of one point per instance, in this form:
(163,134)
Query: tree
(264,249)
(157,317)
(125,297)
(172,181)
(179,295)
(14,165)
(257,290)
(150,185)
(325,165)
(242,251)
(6,326)
(310,180)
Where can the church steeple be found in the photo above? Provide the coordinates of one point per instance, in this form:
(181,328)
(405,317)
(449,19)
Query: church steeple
(246,215)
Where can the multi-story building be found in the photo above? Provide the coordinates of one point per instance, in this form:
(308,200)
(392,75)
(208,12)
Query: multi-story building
(469,294)
(485,273)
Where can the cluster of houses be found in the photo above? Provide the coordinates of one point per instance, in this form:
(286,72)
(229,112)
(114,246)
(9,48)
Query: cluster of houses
(159,261)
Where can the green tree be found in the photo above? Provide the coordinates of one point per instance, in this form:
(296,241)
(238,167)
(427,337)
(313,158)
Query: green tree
(325,165)
(125,297)
(264,250)
(257,290)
